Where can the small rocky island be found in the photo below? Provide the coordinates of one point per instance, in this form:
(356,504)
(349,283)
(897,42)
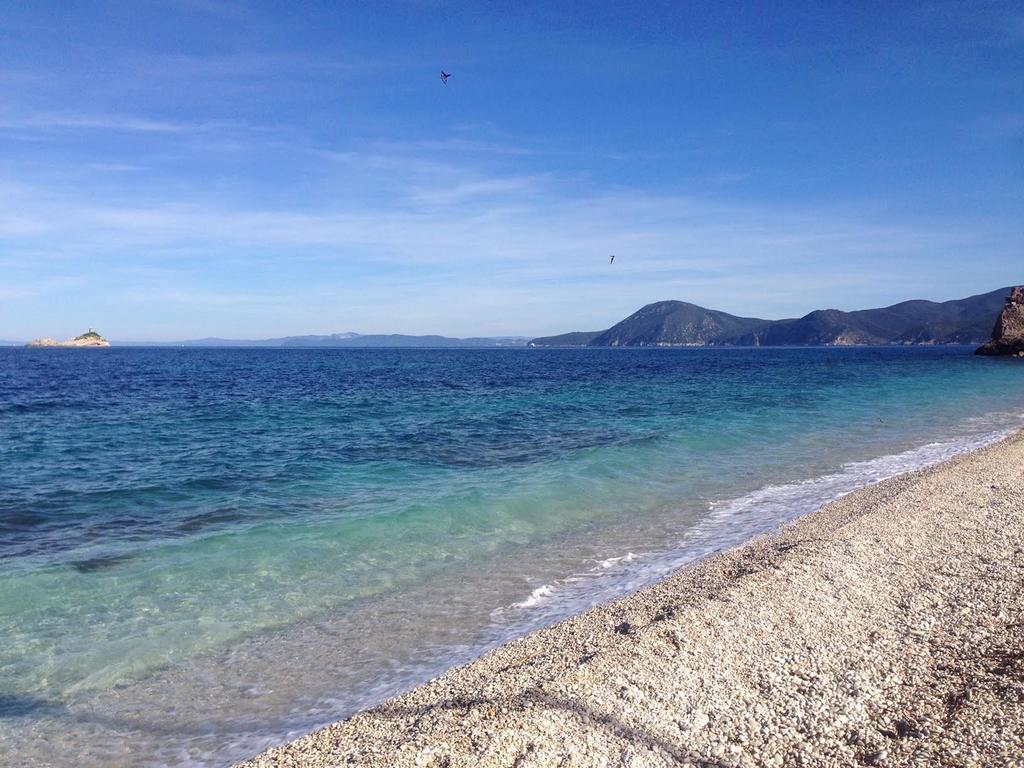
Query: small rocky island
(1008,335)
(88,339)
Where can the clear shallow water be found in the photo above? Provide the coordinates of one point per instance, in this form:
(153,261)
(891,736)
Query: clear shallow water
(205,551)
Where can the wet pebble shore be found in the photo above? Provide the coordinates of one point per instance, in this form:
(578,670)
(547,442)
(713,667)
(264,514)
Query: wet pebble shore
(885,629)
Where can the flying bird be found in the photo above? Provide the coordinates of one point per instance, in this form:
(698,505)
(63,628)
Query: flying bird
(611,259)
(444,77)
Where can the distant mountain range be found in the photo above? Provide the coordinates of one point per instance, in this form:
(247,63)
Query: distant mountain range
(681,324)
(350,340)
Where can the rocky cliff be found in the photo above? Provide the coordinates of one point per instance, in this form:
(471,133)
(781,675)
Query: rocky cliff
(1008,335)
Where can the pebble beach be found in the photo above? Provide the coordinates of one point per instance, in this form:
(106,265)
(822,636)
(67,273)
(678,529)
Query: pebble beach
(886,628)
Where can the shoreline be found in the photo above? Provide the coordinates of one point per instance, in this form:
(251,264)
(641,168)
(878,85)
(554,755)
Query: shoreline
(838,640)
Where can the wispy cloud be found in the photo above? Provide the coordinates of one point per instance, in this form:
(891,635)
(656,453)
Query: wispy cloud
(448,214)
(473,239)
(126,123)
(454,144)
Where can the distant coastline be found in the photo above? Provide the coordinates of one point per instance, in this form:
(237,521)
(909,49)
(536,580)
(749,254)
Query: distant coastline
(347,340)
(915,322)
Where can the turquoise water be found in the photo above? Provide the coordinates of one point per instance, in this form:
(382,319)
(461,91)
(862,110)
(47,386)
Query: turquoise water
(203,552)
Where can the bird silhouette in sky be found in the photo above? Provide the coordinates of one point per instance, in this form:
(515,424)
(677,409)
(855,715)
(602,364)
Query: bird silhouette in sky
(444,77)
(611,259)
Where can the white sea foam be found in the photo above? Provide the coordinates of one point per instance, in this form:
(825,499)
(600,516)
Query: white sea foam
(611,562)
(536,597)
(732,522)
(790,500)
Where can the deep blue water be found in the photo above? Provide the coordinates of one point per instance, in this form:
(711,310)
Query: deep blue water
(246,517)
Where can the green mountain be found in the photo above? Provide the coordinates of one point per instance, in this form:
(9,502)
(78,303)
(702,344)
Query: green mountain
(961,321)
(680,324)
(676,324)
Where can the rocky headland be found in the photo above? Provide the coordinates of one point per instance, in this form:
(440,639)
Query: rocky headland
(88,339)
(1008,335)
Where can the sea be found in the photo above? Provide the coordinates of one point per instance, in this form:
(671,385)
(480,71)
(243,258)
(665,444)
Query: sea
(205,552)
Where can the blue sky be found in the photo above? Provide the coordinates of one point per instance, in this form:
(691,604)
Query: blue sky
(181,168)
